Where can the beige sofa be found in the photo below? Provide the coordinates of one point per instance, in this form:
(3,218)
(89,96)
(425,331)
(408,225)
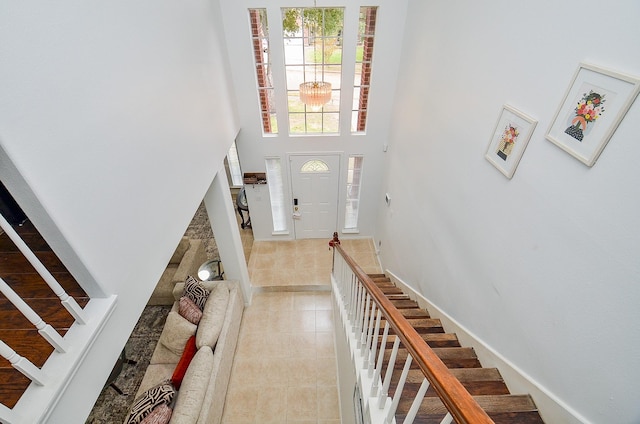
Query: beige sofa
(186,260)
(202,394)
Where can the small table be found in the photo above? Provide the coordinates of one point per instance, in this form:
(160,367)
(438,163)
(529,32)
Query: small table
(211,270)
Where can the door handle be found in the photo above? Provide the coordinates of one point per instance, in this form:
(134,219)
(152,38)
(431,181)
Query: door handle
(296,209)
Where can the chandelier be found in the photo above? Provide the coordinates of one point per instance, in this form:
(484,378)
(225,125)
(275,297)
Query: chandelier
(315,93)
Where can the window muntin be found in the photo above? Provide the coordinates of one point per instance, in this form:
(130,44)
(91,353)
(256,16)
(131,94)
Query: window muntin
(354,178)
(276,193)
(313,52)
(260,42)
(364,56)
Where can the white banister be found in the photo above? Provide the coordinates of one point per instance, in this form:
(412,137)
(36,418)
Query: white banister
(22,364)
(67,301)
(378,368)
(387,375)
(398,393)
(376,331)
(415,406)
(448,419)
(367,351)
(45,330)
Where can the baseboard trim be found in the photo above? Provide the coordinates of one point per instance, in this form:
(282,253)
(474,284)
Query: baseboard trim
(551,408)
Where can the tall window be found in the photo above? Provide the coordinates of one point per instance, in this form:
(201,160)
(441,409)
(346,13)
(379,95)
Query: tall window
(313,53)
(276,193)
(364,55)
(234,166)
(354,177)
(260,40)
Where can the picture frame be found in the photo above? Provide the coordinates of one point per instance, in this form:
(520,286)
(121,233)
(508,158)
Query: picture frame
(593,106)
(509,139)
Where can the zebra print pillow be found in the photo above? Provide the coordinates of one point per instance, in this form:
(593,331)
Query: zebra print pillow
(196,292)
(157,395)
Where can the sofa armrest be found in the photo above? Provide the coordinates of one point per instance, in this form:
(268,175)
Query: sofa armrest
(191,261)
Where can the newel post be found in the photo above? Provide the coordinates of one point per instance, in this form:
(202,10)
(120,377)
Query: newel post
(332,243)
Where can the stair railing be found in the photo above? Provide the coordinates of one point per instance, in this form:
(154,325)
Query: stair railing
(67,301)
(362,306)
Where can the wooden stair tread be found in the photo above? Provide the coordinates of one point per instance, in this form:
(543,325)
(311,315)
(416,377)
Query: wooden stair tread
(490,403)
(434,340)
(422,325)
(452,357)
(27,343)
(13,386)
(49,309)
(34,286)
(15,330)
(11,262)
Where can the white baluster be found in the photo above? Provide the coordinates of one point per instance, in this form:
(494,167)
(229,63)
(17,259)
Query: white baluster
(45,330)
(368,347)
(448,419)
(415,406)
(22,364)
(378,368)
(398,393)
(374,345)
(363,328)
(387,376)
(67,301)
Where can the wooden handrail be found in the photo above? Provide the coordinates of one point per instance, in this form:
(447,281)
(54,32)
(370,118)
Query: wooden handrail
(461,405)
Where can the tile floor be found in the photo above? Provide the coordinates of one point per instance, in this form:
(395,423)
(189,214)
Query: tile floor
(285,366)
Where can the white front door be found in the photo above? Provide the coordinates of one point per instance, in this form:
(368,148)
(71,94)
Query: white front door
(314,187)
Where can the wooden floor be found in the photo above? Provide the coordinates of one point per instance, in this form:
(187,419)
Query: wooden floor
(15,330)
(484,384)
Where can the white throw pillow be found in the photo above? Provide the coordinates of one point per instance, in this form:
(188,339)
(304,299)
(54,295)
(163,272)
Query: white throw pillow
(194,386)
(213,315)
(176,332)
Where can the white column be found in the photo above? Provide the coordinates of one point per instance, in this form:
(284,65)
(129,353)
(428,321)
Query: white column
(224,224)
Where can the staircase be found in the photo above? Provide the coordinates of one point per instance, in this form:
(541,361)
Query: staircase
(407,368)
(15,330)
(485,384)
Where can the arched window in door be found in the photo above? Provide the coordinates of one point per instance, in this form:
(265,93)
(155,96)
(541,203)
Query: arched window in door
(314,166)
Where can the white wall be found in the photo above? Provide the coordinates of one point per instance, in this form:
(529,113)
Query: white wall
(114,119)
(253,147)
(543,268)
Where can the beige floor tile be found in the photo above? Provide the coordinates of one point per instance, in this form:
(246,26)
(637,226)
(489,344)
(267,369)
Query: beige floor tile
(324,345)
(328,403)
(303,345)
(326,371)
(285,366)
(241,402)
(275,371)
(302,403)
(324,321)
(272,407)
(301,372)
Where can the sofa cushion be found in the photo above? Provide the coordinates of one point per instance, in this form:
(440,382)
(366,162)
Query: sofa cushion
(176,332)
(161,414)
(195,291)
(144,405)
(182,248)
(189,310)
(187,355)
(194,386)
(213,317)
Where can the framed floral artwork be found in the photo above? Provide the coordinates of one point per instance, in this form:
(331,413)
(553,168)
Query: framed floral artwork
(510,137)
(591,110)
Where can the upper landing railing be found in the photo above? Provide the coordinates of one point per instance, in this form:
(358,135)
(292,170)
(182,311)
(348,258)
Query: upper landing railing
(49,381)
(362,307)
